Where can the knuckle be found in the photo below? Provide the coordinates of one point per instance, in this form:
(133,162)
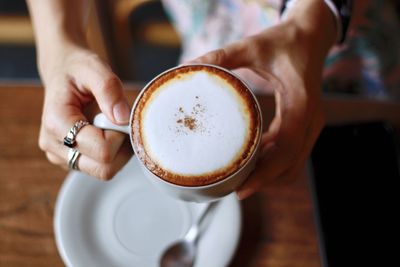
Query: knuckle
(91,59)
(49,122)
(254,48)
(103,152)
(219,56)
(253,51)
(105,172)
(51,158)
(105,156)
(110,81)
(42,143)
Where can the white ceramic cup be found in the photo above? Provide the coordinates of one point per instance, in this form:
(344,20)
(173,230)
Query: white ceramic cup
(204,193)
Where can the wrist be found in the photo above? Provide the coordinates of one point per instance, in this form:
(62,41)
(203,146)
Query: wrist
(58,25)
(314,24)
(53,39)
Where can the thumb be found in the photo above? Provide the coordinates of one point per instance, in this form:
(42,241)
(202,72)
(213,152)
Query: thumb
(107,89)
(232,56)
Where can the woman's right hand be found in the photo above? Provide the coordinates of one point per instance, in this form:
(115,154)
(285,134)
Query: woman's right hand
(75,77)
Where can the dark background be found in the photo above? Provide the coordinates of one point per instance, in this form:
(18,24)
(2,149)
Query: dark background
(355,184)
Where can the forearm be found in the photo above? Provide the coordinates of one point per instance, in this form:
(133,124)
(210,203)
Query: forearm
(57,24)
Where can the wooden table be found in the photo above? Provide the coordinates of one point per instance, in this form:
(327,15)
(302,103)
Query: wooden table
(278,223)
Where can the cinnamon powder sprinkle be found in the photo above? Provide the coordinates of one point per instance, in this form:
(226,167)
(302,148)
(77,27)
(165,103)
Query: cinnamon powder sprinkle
(188,122)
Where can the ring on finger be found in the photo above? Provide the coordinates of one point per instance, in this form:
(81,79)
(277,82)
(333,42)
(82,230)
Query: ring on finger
(69,139)
(73,155)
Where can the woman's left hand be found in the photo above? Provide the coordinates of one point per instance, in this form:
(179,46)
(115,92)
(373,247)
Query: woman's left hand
(289,57)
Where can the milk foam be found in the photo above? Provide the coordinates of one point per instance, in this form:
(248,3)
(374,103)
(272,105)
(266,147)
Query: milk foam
(194,125)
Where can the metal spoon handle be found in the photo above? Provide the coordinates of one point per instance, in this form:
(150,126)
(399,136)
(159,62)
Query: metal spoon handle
(194,230)
(206,210)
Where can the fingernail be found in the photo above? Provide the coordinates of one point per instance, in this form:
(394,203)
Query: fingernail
(121,112)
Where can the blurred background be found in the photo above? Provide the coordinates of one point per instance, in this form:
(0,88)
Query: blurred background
(135,53)
(17,49)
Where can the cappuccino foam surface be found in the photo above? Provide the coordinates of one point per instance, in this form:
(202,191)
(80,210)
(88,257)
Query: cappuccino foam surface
(195,124)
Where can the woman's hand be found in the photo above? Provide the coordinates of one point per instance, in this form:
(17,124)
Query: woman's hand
(74,78)
(289,57)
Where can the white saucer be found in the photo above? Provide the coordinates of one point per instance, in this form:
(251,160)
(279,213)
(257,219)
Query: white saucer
(127,222)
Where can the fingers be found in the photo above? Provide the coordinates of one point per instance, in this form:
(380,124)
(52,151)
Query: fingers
(100,150)
(91,141)
(98,144)
(235,55)
(101,146)
(281,159)
(103,171)
(268,170)
(312,136)
(82,79)
(287,143)
(106,88)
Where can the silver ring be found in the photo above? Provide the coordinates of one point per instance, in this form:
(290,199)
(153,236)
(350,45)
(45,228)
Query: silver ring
(69,139)
(73,155)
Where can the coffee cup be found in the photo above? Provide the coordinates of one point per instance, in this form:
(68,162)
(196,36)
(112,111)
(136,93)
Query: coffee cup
(196,130)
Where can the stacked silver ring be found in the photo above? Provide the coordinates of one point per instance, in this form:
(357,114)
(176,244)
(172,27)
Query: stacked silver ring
(73,155)
(69,140)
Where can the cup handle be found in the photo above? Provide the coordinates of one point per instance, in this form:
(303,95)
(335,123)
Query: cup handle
(101,121)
